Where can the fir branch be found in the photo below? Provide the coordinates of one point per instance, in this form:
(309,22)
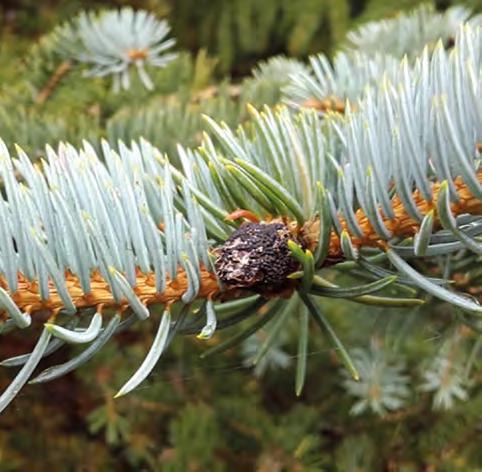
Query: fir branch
(131,231)
(327,86)
(408,33)
(113,42)
(402,224)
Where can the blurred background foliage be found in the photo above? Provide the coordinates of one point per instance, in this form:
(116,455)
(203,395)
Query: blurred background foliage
(238,32)
(220,41)
(221,414)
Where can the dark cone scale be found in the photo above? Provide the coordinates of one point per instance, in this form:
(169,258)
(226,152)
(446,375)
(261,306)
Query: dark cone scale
(256,256)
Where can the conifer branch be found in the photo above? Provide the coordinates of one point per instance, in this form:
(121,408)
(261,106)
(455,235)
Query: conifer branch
(402,224)
(130,231)
(114,42)
(409,33)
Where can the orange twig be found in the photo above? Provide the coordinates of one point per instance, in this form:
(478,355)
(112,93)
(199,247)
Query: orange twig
(53,81)
(239,213)
(327,104)
(28,299)
(403,224)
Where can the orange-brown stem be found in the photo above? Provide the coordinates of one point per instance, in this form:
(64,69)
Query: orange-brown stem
(327,104)
(240,213)
(28,298)
(138,54)
(403,225)
(52,83)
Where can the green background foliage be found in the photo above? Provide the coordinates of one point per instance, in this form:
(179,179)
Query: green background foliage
(220,414)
